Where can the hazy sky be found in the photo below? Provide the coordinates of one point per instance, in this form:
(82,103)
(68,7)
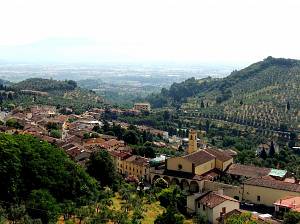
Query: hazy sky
(149,30)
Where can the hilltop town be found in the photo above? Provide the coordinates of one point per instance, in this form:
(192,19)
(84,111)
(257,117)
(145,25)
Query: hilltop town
(215,185)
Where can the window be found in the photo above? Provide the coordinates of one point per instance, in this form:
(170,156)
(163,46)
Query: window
(258,198)
(198,204)
(236,198)
(179,166)
(203,207)
(224,210)
(133,169)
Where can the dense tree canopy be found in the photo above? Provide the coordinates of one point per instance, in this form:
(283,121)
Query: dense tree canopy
(41,175)
(291,217)
(46,85)
(102,167)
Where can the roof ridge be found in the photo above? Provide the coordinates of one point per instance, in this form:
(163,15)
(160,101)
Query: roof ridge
(209,153)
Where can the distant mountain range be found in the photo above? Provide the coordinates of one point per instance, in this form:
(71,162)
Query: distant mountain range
(5,82)
(264,94)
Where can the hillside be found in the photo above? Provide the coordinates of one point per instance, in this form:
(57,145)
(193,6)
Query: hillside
(61,94)
(46,85)
(5,82)
(265,94)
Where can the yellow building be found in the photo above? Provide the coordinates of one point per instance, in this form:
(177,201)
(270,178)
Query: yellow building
(266,190)
(136,166)
(191,170)
(200,162)
(118,158)
(131,165)
(211,204)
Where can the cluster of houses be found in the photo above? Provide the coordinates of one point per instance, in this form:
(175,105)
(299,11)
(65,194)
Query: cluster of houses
(75,142)
(199,171)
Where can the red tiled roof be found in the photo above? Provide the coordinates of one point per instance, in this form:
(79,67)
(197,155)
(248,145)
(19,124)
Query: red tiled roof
(248,171)
(94,141)
(120,154)
(210,175)
(111,143)
(292,202)
(272,183)
(205,155)
(219,154)
(213,199)
(199,157)
(138,160)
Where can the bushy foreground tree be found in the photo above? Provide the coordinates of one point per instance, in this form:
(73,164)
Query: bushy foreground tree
(42,177)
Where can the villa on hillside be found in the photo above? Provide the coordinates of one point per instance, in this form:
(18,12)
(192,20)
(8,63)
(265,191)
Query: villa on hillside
(211,204)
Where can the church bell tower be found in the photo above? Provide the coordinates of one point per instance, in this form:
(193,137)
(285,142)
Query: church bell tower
(192,141)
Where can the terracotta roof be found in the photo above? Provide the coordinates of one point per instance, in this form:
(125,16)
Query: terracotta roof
(219,154)
(94,141)
(292,202)
(212,199)
(61,118)
(107,137)
(67,146)
(230,152)
(199,157)
(138,160)
(205,155)
(248,171)
(111,143)
(120,154)
(272,183)
(210,175)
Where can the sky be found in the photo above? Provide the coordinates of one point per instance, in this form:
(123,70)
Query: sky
(200,31)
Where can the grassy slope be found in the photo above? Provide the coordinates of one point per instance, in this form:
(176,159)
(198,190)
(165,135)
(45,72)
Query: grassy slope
(152,210)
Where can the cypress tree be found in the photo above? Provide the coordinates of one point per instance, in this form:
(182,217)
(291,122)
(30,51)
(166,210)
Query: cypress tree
(263,154)
(288,105)
(272,150)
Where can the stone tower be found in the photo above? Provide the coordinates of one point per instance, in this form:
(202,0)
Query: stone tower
(192,141)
